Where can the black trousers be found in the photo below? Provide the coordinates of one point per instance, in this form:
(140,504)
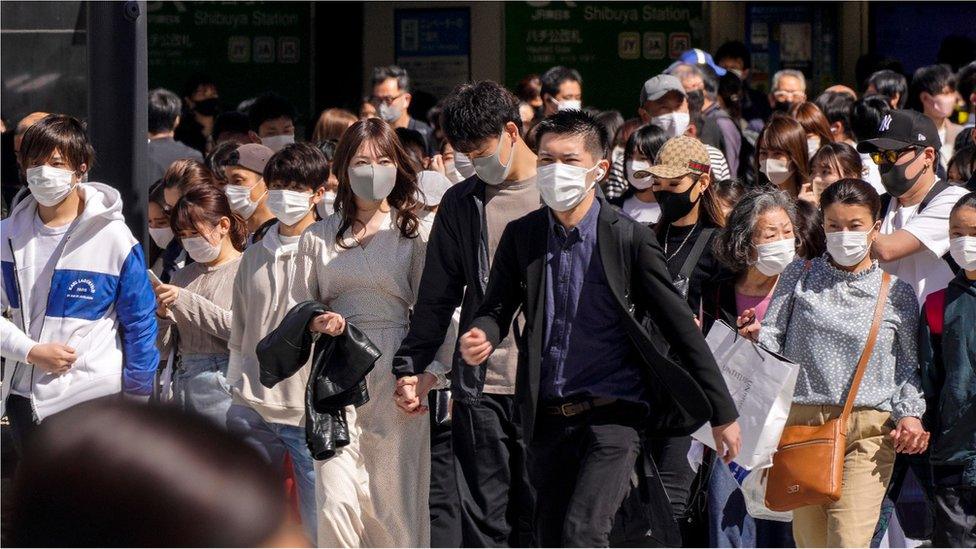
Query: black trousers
(955,516)
(489,457)
(581,468)
(445,504)
(22,423)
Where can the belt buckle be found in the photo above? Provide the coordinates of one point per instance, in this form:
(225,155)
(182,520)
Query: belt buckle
(570,409)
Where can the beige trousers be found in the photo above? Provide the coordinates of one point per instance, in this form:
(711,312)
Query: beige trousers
(850,521)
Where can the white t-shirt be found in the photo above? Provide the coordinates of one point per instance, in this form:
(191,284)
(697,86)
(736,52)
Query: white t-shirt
(640,211)
(36,280)
(925,270)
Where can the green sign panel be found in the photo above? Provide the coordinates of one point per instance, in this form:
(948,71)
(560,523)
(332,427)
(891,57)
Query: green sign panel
(247,47)
(615,46)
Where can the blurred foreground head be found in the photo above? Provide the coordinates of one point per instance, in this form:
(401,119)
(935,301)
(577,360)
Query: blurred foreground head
(109,473)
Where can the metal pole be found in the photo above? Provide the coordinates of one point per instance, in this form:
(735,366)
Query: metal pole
(118,81)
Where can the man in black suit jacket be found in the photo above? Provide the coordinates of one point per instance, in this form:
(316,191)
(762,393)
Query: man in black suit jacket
(602,319)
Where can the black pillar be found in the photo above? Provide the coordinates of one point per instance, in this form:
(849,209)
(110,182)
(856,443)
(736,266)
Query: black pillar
(118,82)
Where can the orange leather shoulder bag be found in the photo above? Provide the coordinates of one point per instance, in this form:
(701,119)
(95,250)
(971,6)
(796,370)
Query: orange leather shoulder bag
(808,466)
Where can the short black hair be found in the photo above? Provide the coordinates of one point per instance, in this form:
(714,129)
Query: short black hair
(57,131)
(554,77)
(854,192)
(164,108)
(220,158)
(836,106)
(696,101)
(734,49)
(966,82)
(232,122)
(574,122)
(298,166)
(381,74)
(479,111)
(890,83)
(195,80)
(931,79)
(414,145)
(268,107)
(866,114)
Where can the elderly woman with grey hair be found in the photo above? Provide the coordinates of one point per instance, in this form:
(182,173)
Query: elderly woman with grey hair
(756,245)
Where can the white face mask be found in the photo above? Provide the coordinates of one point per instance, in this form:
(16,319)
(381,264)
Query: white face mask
(326,206)
(674,123)
(489,168)
(239,197)
(848,248)
(162,236)
(278,142)
(200,250)
(563,186)
(49,185)
(463,164)
(963,251)
(773,257)
(813,145)
(639,183)
(373,181)
(778,171)
(569,105)
(453,175)
(289,207)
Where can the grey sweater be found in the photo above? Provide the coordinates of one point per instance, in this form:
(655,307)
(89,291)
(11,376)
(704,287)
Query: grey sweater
(820,319)
(201,314)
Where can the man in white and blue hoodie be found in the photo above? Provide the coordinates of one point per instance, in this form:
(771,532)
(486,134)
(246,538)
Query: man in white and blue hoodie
(79,310)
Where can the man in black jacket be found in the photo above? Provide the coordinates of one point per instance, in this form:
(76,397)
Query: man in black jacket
(482,121)
(591,380)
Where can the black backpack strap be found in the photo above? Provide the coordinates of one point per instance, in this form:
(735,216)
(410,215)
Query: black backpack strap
(704,237)
(885,206)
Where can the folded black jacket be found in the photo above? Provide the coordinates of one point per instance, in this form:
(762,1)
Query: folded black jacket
(337,380)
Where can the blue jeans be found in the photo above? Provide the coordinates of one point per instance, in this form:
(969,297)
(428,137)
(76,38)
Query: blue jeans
(200,386)
(729,523)
(272,440)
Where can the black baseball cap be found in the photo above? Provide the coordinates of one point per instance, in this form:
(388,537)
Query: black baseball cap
(900,129)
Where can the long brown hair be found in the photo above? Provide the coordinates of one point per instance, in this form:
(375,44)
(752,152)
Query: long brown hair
(786,135)
(404,194)
(206,204)
(185,174)
(332,123)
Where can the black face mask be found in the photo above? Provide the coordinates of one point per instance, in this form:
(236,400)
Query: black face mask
(894,179)
(208,107)
(674,206)
(783,106)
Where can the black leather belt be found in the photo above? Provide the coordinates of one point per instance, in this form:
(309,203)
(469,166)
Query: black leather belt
(570,409)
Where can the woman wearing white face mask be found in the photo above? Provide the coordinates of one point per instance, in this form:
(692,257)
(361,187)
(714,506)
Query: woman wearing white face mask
(193,312)
(756,245)
(364,263)
(166,253)
(638,200)
(781,154)
(819,317)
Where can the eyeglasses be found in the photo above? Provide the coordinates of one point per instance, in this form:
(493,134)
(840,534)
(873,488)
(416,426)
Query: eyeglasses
(889,156)
(376,100)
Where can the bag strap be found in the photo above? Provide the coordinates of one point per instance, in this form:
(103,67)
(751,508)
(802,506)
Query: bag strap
(704,237)
(862,363)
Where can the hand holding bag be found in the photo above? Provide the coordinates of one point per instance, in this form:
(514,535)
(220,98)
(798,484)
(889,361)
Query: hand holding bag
(808,467)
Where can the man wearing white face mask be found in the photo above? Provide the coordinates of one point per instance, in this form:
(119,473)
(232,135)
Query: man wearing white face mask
(562,89)
(482,122)
(246,189)
(391,97)
(73,276)
(272,121)
(933,93)
(586,277)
